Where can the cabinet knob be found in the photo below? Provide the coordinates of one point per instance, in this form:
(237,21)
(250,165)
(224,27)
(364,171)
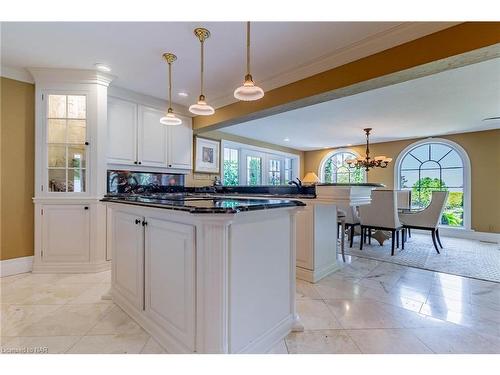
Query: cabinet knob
(139,162)
(144,223)
(86,143)
(170,165)
(86,208)
(135,162)
(137,221)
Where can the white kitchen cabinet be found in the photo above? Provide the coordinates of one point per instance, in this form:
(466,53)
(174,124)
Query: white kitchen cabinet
(180,146)
(126,239)
(136,137)
(122,131)
(170,278)
(65,233)
(152,145)
(304,237)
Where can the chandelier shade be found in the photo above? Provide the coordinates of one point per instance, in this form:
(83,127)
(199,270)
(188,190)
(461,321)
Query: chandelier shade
(249,91)
(201,107)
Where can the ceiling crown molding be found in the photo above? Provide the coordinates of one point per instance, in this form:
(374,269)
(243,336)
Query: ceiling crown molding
(18,74)
(51,75)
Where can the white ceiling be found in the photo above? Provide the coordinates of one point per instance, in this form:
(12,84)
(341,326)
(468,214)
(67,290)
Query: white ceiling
(282,52)
(453,101)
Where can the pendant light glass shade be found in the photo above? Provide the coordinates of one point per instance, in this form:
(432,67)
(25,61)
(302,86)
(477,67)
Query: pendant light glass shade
(201,107)
(170,118)
(249,91)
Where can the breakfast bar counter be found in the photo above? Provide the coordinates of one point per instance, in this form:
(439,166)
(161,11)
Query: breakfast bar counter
(205,274)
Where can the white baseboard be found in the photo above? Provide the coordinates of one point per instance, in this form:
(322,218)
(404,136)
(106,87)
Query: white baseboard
(14,266)
(465,233)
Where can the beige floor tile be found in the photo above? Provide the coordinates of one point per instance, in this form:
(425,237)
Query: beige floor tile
(306,290)
(111,344)
(16,318)
(86,278)
(330,288)
(392,298)
(456,340)
(388,341)
(93,294)
(69,320)
(314,314)
(279,348)
(153,347)
(10,279)
(39,345)
(116,322)
(321,342)
(42,294)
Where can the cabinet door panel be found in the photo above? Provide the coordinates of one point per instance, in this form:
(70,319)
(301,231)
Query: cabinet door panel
(304,238)
(180,145)
(152,138)
(170,278)
(65,233)
(122,131)
(127,244)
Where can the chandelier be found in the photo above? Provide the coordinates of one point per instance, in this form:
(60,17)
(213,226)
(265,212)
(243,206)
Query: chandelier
(367,162)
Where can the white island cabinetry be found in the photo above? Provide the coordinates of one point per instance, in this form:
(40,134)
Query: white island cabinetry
(205,283)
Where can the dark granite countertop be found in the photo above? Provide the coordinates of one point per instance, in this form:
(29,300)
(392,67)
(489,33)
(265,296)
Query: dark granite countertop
(203,205)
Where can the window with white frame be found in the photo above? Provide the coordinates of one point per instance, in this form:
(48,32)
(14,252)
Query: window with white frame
(249,165)
(435,166)
(334,169)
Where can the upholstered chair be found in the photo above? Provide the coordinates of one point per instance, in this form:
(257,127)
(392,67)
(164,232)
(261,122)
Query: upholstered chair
(404,202)
(428,218)
(351,220)
(382,214)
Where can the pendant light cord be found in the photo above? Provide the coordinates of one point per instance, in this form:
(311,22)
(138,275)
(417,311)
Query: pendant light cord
(170,85)
(248,47)
(202,63)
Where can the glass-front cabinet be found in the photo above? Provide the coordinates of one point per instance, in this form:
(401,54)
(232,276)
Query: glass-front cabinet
(66,142)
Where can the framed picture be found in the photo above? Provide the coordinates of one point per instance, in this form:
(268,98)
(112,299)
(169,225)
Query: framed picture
(207,155)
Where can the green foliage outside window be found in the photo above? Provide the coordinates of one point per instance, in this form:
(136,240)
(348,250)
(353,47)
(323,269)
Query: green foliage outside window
(230,172)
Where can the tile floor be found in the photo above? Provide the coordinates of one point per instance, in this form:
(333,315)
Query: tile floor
(366,307)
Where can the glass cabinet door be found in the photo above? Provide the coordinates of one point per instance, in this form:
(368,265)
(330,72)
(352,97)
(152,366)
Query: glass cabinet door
(66,143)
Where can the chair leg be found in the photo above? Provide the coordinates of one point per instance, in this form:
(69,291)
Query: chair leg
(409,232)
(370,236)
(352,235)
(402,239)
(338,231)
(439,239)
(362,239)
(393,242)
(434,240)
(397,239)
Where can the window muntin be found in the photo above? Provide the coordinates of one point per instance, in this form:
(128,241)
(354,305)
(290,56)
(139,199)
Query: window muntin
(435,167)
(66,137)
(254,170)
(336,170)
(231,166)
(275,167)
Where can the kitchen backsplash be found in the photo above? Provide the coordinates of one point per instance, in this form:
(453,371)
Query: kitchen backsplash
(121,182)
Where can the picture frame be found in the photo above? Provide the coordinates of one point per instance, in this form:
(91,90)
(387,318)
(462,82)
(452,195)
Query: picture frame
(207,155)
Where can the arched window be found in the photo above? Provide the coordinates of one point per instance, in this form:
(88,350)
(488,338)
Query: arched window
(333,168)
(437,165)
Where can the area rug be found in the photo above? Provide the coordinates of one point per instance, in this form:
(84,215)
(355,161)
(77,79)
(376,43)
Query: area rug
(470,258)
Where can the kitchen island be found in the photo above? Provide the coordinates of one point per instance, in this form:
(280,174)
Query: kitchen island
(204,274)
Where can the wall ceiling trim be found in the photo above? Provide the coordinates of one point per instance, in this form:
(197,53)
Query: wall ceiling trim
(321,87)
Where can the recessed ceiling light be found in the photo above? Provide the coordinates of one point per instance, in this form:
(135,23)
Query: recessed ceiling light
(286,139)
(102,67)
(184,94)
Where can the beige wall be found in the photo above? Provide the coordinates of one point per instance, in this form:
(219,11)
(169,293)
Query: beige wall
(203,179)
(16,168)
(483,149)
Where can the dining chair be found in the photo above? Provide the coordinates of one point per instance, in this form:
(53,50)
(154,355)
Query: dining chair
(428,218)
(404,202)
(382,214)
(351,220)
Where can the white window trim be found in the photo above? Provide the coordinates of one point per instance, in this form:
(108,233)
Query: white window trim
(242,147)
(466,173)
(321,169)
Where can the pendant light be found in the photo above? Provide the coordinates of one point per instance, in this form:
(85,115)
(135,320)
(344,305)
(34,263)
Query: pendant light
(248,91)
(201,107)
(170,118)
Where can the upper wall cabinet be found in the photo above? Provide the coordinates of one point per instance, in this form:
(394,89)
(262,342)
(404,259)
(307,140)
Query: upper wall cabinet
(122,131)
(136,137)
